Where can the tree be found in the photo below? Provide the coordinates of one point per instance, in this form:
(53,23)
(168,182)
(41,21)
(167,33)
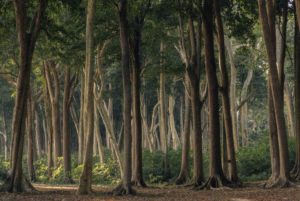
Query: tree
(268,26)
(16,181)
(216,176)
(85,185)
(125,187)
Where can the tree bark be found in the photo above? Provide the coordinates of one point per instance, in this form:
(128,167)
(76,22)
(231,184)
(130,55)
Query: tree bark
(268,26)
(85,184)
(183,176)
(137,178)
(233,176)
(244,108)
(53,85)
(216,176)
(66,129)
(16,182)
(125,188)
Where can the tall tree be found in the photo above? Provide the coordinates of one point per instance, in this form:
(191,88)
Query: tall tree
(85,185)
(27,40)
(233,176)
(267,11)
(216,176)
(136,82)
(125,187)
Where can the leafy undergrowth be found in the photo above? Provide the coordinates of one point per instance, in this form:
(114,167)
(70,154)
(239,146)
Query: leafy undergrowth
(68,193)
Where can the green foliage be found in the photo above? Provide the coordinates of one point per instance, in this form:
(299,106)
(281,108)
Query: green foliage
(41,169)
(106,173)
(4,167)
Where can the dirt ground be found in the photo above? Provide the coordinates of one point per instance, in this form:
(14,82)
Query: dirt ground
(172,193)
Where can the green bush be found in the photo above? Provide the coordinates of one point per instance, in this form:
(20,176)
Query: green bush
(4,167)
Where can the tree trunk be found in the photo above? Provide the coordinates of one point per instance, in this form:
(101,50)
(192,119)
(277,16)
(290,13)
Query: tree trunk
(85,184)
(233,177)
(244,108)
(268,26)
(54,93)
(290,109)
(216,176)
(97,131)
(163,113)
(233,106)
(81,139)
(16,182)
(125,187)
(6,142)
(66,128)
(137,178)
(30,137)
(38,134)
(296,169)
(183,176)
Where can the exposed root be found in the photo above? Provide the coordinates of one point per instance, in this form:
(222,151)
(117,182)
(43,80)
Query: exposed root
(182,179)
(279,183)
(214,182)
(121,190)
(23,187)
(139,183)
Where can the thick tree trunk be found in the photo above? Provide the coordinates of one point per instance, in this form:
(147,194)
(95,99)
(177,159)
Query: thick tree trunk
(125,188)
(137,177)
(16,182)
(268,26)
(85,184)
(233,176)
(216,176)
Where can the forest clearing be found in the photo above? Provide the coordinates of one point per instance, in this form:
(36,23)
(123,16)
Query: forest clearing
(150,100)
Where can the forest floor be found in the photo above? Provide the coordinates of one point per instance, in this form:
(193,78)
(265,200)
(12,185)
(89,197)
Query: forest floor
(169,193)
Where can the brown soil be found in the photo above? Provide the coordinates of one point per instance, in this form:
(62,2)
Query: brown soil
(68,193)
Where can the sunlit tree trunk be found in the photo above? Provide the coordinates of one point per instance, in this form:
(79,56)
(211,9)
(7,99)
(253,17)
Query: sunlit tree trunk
(85,183)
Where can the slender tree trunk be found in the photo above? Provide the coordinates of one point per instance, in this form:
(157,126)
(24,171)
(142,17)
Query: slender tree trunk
(81,139)
(85,184)
(296,169)
(233,176)
(290,109)
(233,106)
(97,131)
(163,113)
(66,128)
(244,108)
(54,93)
(183,176)
(30,137)
(6,142)
(38,134)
